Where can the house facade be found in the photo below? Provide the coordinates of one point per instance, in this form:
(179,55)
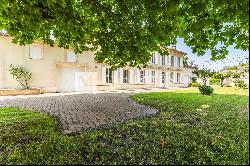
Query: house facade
(56,69)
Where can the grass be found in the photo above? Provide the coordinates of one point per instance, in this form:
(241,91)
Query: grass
(190,129)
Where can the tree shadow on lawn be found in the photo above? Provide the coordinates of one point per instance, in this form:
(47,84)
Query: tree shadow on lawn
(190,129)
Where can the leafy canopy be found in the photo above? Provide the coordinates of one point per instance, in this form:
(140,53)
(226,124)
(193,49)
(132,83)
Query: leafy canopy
(125,32)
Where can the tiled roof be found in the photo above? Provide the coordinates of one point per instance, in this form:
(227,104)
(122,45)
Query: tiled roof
(170,50)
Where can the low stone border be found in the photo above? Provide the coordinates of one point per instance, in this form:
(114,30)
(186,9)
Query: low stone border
(14,92)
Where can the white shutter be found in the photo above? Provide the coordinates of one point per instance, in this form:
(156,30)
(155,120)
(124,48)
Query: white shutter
(149,76)
(166,60)
(135,76)
(181,62)
(146,76)
(31,52)
(181,78)
(167,79)
(175,61)
(160,77)
(160,61)
(156,76)
(116,77)
(138,76)
(71,57)
(175,77)
(103,75)
(131,74)
(121,76)
(156,58)
(35,52)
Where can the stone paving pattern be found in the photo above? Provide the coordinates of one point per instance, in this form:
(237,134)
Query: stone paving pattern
(84,111)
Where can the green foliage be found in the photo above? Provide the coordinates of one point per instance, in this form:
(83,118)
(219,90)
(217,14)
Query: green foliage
(191,129)
(222,77)
(206,90)
(21,75)
(232,68)
(236,75)
(194,79)
(240,84)
(214,81)
(185,61)
(126,32)
(194,84)
(204,74)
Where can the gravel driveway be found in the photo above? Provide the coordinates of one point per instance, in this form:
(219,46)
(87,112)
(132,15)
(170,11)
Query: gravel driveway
(84,111)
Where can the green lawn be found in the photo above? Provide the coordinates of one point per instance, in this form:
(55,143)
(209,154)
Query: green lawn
(190,129)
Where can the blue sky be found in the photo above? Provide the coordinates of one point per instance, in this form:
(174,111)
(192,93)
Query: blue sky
(234,58)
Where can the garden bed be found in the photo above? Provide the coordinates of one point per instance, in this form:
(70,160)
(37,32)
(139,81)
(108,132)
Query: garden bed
(14,92)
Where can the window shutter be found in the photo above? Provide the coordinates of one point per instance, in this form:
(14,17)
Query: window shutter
(149,76)
(31,52)
(131,78)
(35,52)
(175,77)
(167,79)
(146,76)
(175,61)
(156,76)
(138,75)
(116,81)
(166,60)
(156,58)
(181,62)
(121,76)
(71,57)
(181,78)
(103,75)
(160,77)
(160,56)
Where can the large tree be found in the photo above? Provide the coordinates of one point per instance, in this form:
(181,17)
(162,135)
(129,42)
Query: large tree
(125,32)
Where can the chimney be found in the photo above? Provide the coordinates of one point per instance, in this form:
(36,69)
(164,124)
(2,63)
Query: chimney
(174,47)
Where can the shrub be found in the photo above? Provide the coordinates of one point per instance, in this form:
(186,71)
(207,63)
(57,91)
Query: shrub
(194,84)
(194,79)
(21,75)
(206,90)
(240,84)
(214,81)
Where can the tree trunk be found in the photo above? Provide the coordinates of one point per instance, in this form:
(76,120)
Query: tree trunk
(221,82)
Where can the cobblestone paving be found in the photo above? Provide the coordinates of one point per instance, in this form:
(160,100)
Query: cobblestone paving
(84,111)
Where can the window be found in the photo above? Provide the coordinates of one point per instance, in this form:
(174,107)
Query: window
(71,56)
(172,61)
(171,77)
(163,60)
(152,76)
(35,52)
(178,62)
(142,76)
(109,76)
(163,77)
(125,76)
(178,77)
(153,58)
